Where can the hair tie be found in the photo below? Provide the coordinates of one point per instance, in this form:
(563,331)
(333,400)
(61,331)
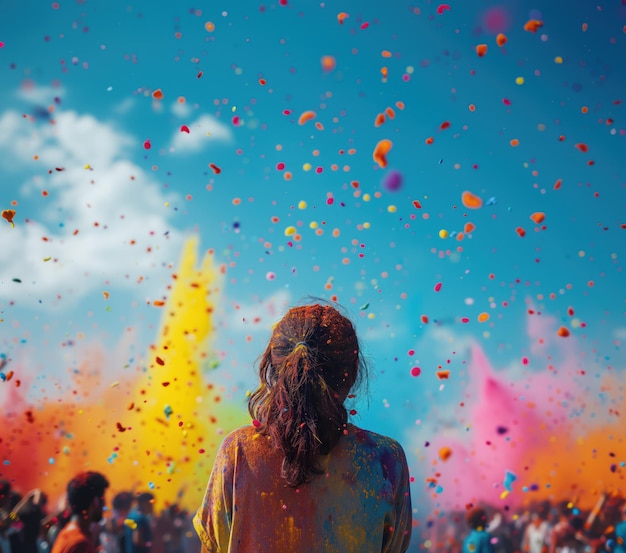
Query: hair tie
(300,345)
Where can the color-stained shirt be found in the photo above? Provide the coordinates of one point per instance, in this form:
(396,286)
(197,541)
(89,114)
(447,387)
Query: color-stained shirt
(361,504)
(72,540)
(620,537)
(478,541)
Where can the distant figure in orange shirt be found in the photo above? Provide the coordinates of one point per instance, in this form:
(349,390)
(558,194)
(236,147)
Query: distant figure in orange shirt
(301,478)
(85,496)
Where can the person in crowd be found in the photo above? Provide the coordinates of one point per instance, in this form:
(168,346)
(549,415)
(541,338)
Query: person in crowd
(138,538)
(478,540)
(114,532)
(301,478)
(537,533)
(85,497)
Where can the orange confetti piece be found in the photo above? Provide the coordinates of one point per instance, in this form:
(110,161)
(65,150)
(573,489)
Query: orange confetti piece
(341,17)
(106,295)
(390,113)
(158,94)
(443,375)
(514,142)
(521,232)
(501,39)
(481,50)
(469,227)
(400,105)
(533,25)
(380,152)
(380,119)
(158,303)
(445,453)
(429,140)
(471,201)
(385,54)
(483,317)
(538,217)
(328,63)
(563,332)
(9,214)
(582,147)
(306,116)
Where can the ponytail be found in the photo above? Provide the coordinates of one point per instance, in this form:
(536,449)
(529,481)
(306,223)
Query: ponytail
(306,373)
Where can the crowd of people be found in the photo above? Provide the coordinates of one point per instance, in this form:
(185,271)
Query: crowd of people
(84,523)
(540,527)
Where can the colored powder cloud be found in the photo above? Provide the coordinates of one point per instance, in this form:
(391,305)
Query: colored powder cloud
(157,428)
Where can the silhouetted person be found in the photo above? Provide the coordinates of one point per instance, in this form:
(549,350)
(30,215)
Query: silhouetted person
(138,528)
(85,497)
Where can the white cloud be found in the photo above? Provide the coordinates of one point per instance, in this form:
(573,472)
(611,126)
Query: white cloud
(102,226)
(180,109)
(203,132)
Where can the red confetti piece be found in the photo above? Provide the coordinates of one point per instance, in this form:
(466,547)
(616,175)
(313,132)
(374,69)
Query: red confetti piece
(444,125)
(558,184)
(438,287)
(521,232)
(533,25)
(341,17)
(8,215)
(441,8)
(416,371)
(424,319)
(417,204)
(147,145)
(582,147)
(184,128)
(481,50)
(563,332)
(215,168)
(158,94)
(570,311)
(160,361)
(120,427)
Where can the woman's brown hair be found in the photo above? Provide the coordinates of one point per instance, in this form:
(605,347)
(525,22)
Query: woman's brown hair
(310,364)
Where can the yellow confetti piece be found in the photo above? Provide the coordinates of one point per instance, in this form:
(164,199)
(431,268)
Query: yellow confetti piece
(47,259)
(290,231)
(301,204)
(392,209)
(558,59)
(443,233)
(519,80)
(130,523)
(504,494)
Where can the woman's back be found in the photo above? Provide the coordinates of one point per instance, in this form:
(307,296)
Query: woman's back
(359,504)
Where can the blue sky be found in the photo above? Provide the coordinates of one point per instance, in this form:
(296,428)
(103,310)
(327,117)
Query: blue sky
(77,92)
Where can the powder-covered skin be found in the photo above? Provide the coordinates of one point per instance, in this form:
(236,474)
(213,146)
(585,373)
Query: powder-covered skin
(361,504)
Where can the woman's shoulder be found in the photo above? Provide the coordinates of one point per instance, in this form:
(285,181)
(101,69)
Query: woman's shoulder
(375,441)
